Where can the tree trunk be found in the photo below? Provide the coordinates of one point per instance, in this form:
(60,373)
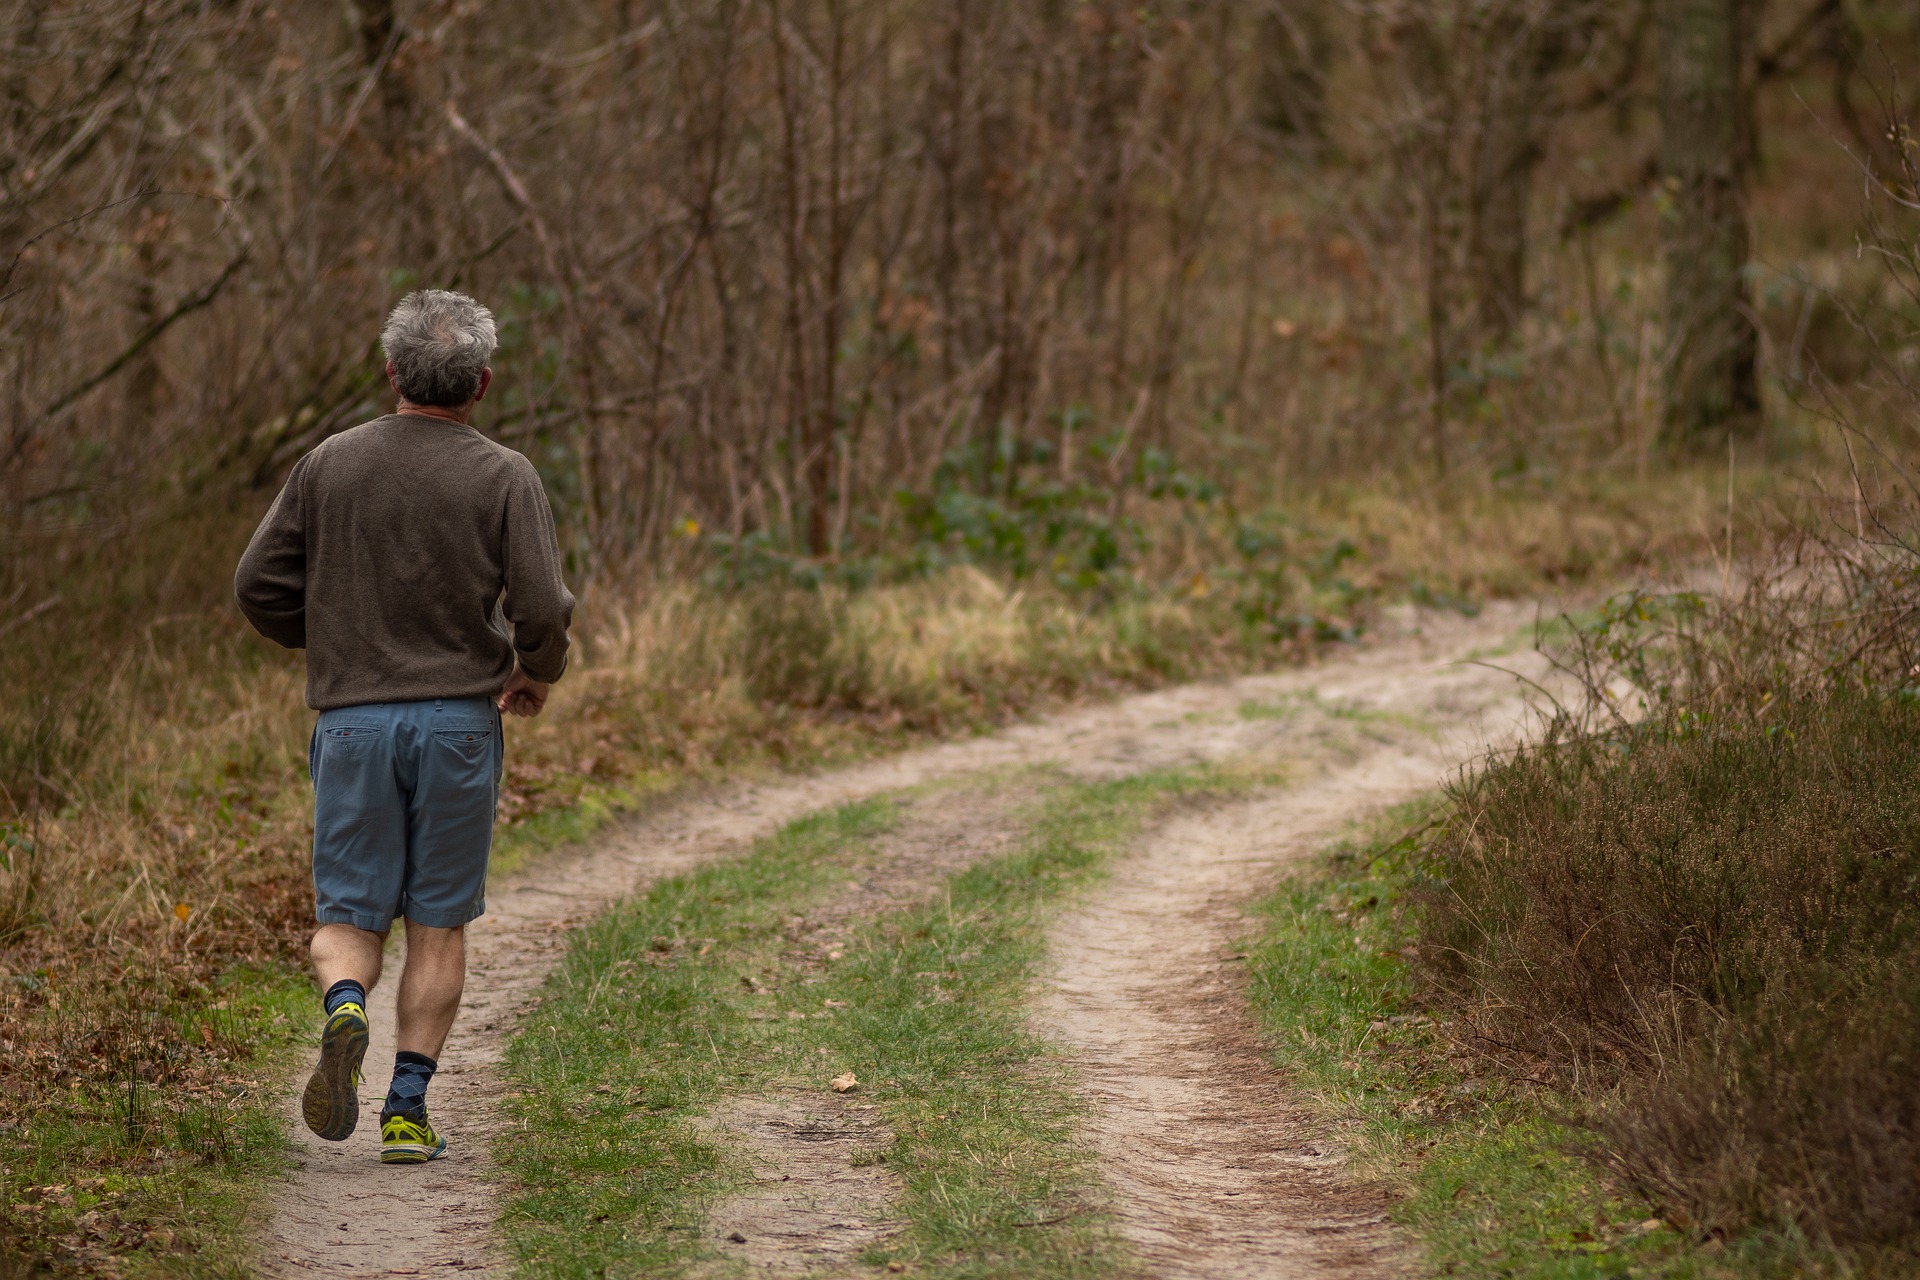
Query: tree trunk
(1295,50)
(1503,165)
(1521,57)
(1706,143)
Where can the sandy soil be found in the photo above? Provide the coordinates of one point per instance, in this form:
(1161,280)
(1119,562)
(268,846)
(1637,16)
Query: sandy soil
(341,1213)
(1214,1172)
(814,1204)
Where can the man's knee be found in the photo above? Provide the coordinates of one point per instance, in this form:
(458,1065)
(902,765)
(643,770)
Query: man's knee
(435,944)
(346,935)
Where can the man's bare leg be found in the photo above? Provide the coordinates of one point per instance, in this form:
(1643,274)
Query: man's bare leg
(430,987)
(342,951)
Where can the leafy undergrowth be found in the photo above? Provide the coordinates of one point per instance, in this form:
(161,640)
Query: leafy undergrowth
(713,985)
(151,1164)
(1496,1174)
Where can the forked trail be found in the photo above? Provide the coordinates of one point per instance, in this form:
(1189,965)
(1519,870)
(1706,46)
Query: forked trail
(1213,1172)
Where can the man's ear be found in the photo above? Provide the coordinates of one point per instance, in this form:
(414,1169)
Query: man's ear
(486,380)
(391,380)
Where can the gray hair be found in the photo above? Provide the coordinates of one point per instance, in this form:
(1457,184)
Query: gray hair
(439,342)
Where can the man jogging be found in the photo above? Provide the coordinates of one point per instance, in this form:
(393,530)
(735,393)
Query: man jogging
(415,561)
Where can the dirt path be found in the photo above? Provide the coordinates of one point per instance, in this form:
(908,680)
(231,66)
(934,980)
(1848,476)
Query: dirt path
(1214,1173)
(343,1214)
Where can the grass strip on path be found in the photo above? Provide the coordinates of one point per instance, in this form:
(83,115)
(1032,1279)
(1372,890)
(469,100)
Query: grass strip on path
(695,992)
(1493,1178)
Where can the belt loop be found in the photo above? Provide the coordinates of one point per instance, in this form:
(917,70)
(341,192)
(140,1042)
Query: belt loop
(439,704)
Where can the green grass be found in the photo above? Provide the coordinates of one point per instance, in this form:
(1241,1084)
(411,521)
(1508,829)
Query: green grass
(1292,705)
(588,809)
(640,1031)
(163,1183)
(1493,1178)
(1549,632)
(694,992)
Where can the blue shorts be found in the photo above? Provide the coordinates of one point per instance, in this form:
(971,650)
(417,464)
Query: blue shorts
(403,800)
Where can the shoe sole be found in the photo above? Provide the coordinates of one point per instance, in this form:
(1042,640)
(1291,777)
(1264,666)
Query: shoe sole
(411,1152)
(331,1103)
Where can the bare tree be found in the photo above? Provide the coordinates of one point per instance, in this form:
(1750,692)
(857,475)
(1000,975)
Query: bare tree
(1522,45)
(1706,148)
(1297,50)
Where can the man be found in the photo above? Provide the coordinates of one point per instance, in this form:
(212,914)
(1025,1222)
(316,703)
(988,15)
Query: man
(415,561)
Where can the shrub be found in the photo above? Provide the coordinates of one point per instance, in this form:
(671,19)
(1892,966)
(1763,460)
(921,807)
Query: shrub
(1696,903)
(1721,926)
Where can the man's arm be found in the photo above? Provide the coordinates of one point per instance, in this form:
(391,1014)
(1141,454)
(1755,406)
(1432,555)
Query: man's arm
(537,603)
(271,582)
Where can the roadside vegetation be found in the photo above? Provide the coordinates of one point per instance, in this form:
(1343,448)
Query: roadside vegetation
(1493,1172)
(1701,919)
(1638,998)
(155,1170)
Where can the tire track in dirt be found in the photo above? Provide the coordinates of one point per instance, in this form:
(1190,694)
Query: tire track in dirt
(342,1213)
(818,1197)
(1215,1172)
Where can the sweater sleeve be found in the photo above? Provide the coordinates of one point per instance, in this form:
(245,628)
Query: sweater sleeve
(537,602)
(271,582)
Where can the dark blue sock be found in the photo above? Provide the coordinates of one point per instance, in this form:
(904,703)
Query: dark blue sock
(342,991)
(412,1072)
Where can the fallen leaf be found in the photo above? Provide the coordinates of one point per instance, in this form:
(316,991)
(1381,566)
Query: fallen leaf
(182,910)
(845,1083)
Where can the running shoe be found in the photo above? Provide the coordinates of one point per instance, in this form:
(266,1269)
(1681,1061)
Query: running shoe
(404,1140)
(331,1104)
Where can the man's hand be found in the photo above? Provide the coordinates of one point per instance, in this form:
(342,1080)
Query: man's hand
(522,697)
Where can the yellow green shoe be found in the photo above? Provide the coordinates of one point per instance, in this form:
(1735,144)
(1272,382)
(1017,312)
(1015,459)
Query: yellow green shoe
(404,1140)
(331,1104)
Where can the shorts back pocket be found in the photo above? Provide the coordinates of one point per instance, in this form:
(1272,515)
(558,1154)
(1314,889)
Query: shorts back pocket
(471,740)
(352,739)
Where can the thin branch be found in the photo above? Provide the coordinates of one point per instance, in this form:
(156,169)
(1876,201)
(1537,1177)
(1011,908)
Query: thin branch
(186,306)
(23,618)
(511,184)
(20,254)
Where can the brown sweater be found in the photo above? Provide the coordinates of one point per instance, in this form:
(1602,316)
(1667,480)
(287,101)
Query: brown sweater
(412,558)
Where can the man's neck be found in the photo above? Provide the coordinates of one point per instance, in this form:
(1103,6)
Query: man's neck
(458,413)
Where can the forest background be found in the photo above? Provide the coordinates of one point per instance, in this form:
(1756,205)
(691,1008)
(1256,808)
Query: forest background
(893,368)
